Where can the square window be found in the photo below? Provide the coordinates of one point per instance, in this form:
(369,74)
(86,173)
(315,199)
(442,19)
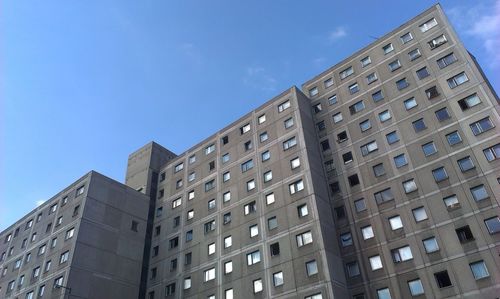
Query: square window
(356,107)
(321,126)
(226,176)
(266,156)
(226,157)
(419,125)
(493,224)
(394,65)
(347,157)
(402,84)
(302,210)
(464,234)
(328,82)
(429,148)
(439,174)
(342,136)
(353,88)
(416,287)
(254,230)
(423,73)
(370,78)
(492,153)
(268,176)
(401,254)
(366,61)
(296,187)
(337,117)
(419,214)
(211,204)
(313,91)
(375,262)
(253,258)
(353,180)
(466,164)
(244,129)
(332,99)
(430,245)
(360,205)
(346,239)
(442,279)
(379,170)
(451,202)
(384,116)
(396,222)
(270,198)
(250,185)
(274,249)
(304,239)
(367,232)
(261,119)
(365,125)
(295,163)
(278,279)
(410,103)
(317,108)
(210,149)
(414,54)
(410,186)
(392,137)
(453,138)
(352,269)
(272,223)
(479,270)
(263,137)
(228,267)
(442,114)
(312,268)
(377,96)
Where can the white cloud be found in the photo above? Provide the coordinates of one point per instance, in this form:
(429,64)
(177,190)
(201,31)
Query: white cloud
(480,22)
(259,77)
(336,34)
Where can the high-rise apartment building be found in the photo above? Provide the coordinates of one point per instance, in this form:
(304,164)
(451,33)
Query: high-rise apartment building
(381,181)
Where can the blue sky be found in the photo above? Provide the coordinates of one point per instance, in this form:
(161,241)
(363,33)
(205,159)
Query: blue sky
(85,83)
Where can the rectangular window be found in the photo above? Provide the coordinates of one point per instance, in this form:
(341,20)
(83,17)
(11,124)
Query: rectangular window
(332,99)
(370,78)
(406,37)
(394,65)
(402,254)
(402,84)
(295,163)
(289,143)
(369,148)
(493,225)
(302,210)
(432,92)
(410,186)
(383,293)
(410,103)
(278,279)
(245,128)
(250,208)
(192,159)
(270,198)
(352,269)
(304,239)
(416,287)
(377,96)
(261,119)
(492,153)
(451,202)
(379,170)
(274,249)
(346,73)
(313,92)
(469,102)
(209,226)
(325,145)
(457,80)
(247,166)
(437,42)
(225,158)
(481,126)
(254,230)
(210,149)
(479,270)
(446,60)
(173,243)
(479,192)
(388,48)
(366,61)
(414,54)
(384,196)
(384,116)
(337,117)
(209,274)
(396,222)
(356,107)
(268,176)
(209,185)
(253,258)
(179,167)
(312,268)
(283,106)
(328,82)
(228,267)
(423,73)
(211,248)
(360,205)
(464,234)
(353,88)
(288,123)
(428,25)
(296,186)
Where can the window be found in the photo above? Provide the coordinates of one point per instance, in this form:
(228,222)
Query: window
(451,202)
(446,60)
(228,242)
(227,218)
(266,156)
(191,176)
(392,137)
(295,163)
(53,209)
(410,103)
(210,226)
(453,138)
(248,145)
(406,37)
(302,210)
(347,157)
(296,186)
(247,166)
(254,230)
(439,174)
(228,294)
(346,239)
(457,80)
(402,254)
(47,265)
(263,137)
(228,267)
(337,117)
(174,242)
(332,99)
(438,41)
(304,239)
(428,25)
(423,73)
(209,185)
(321,125)
(190,214)
(328,82)
(479,192)
(325,145)
(481,126)
(479,270)
(191,195)
(41,249)
(430,245)
(187,258)
(278,279)
(493,224)
(356,107)
(396,222)
(226,176)
(416,287)
(377,96)
(384,293)
(352,269)
(261,119)
(384,116)
(274,249)
(353,180)
(402,84)
(210,149)
(17,264)
(375,262)
(192,159)
(340,212)
(268,176)
(414,54)
(394,65)
(419,214)
(442,114)
(464,234)
(383,196)
(176,203)
(419,125)
(41,291)
(469,102)
(250,208)
(33,236)
(353,88)
(466,164)
(253,258)
(388,48)
(379,170)
(270,198)
(288,123)
(409,186)
(366,61)
(245,128)
(53,243)
(346,73)
(367,232)
(187,283)
(64,257)
(209,274)
(178,185)
(179,167)
(369,148)
(342,136)
(312,268)
(211,248)
(370,78)
(250,185)
(429,148)
(313,91)
(58,281)
(442,279)
(360,205)
(226,196)
(211,204)
(283,106)
(257,286)
(289,143)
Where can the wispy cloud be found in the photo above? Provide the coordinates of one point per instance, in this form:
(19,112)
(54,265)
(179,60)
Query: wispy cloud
(336,34)
(480,22)
(258,77)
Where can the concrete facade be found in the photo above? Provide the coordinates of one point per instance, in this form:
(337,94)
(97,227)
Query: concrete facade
(380,180)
